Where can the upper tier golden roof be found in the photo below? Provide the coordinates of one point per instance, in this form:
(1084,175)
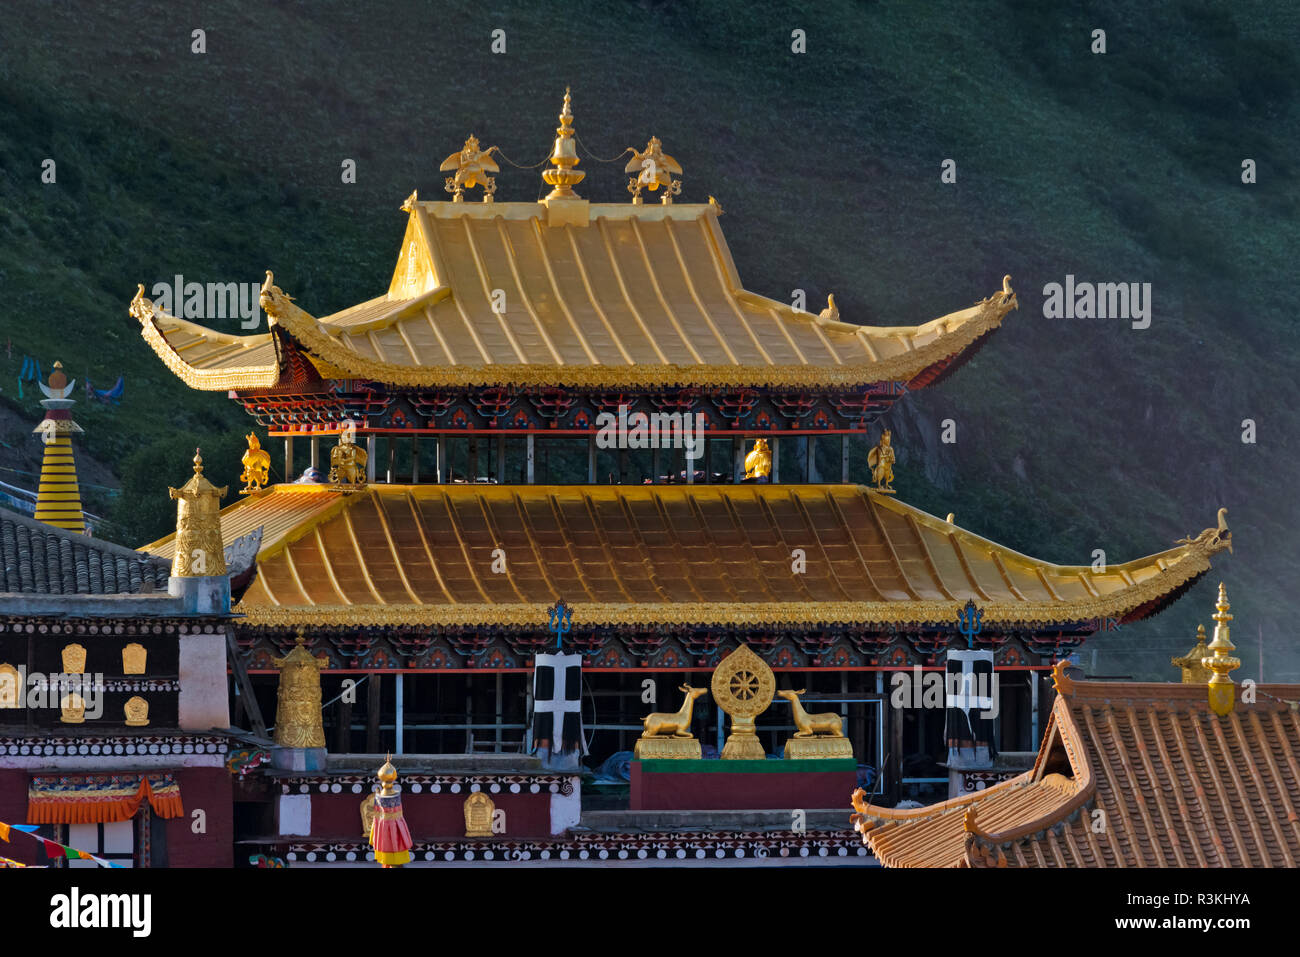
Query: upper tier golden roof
(1175,785)
(610,295)
(670,554)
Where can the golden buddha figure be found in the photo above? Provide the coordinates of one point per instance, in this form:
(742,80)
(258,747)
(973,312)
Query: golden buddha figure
(758,463)
(881,461)
(348,461)
(257,467)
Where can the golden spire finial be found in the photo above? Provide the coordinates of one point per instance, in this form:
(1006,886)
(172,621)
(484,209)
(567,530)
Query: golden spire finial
(564,157)
(387,775)
(1220,660)
(200,551)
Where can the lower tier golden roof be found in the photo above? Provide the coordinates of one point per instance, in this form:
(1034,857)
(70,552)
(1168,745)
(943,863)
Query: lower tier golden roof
(1128,775)
(664,554)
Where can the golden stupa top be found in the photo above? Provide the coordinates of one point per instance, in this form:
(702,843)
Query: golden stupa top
(566,291)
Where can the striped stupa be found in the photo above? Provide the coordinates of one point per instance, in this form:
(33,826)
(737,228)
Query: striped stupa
(58,499)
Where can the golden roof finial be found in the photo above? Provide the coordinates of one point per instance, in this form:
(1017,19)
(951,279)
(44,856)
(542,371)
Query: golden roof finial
(298,721)
(1220,660)
(653,168)
(564,157)
(200,551)
(1194,673)
(387,775)
(472,166)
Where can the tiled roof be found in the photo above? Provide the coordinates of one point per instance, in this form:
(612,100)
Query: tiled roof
(40,559)
(662,554)
(639,296)
(1129,775)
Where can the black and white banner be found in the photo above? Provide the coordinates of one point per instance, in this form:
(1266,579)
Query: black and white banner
(557,705)
(971,690)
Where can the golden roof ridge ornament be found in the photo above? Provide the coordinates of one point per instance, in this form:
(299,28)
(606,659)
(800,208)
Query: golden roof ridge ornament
(653,168)
(564,157)
(199,548)
(471,166)
(1223,692)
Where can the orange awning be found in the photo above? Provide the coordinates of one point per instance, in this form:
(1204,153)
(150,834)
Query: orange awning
(100,798)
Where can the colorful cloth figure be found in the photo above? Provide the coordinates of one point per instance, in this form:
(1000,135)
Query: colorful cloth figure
(389,835)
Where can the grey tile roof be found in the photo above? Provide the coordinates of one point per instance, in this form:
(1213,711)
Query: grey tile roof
(40,559)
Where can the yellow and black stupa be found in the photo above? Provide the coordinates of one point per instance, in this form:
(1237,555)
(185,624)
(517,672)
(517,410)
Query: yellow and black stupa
(58,498)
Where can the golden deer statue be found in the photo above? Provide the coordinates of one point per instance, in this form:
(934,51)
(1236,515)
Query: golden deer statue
(826,724)
(674,724)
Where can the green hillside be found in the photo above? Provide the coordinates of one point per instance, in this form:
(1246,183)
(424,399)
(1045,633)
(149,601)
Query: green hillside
(1073,434)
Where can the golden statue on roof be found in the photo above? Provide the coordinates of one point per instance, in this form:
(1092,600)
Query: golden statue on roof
(758,463)
(257,467)
(653,168)
(1194,673)
(472,166)
(348,462)
(881,461)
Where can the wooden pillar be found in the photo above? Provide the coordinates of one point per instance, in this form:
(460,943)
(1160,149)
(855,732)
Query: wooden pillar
(399,703)
(895,752)
(391,442)
(809,458)
(374,702)
(776,461)
(343,729)
(844,458)
(370,458)
(315,451)
(443,474)
(288,459)
(738,457)
(415,460)
(531,457)
(501,459)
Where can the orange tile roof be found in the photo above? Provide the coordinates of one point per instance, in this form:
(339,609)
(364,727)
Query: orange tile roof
(1128,775)
(641,296)
(663,554)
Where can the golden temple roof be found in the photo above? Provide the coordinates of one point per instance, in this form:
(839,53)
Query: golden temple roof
(512,294)
(665,554)
(1128,775)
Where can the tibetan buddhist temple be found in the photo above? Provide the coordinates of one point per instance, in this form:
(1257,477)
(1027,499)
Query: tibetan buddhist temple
(568,449)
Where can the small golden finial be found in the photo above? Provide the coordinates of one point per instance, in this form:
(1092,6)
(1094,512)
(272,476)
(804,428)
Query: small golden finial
(387,775)
(832,312)
(472,166)
(564,157)
(1220,660)
(199,548)
(952,518)
(653,168)
(1194,673)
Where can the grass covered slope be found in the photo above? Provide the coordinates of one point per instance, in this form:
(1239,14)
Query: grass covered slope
(1072,434)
